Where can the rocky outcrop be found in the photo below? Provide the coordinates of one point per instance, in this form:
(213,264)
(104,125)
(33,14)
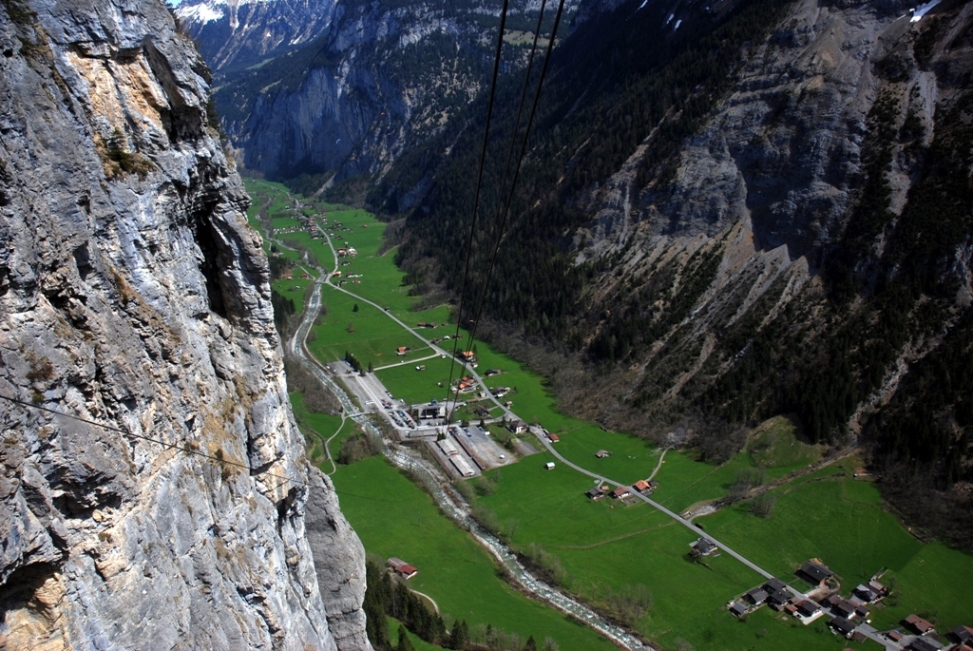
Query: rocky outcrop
(335,548)
(154,485)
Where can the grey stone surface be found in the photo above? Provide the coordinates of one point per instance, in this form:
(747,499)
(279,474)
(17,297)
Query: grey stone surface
(134,295)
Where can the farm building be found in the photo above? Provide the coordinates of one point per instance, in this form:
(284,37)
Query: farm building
(462,466)
(549,465)
(553,438)
(401,568)
(620,492)
(594,494)
(642,486)
(601,454)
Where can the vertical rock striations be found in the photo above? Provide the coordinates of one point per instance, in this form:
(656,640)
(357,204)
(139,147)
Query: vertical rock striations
(133,295)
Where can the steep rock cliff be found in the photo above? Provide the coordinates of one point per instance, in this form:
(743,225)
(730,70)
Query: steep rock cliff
(154,491)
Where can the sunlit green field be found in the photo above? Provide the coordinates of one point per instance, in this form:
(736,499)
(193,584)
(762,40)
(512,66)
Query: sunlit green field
(393,517)
(831,516)
(605,546)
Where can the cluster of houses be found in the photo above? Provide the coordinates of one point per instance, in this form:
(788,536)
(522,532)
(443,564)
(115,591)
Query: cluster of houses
(641,486)
(846,613)
(776,595)
(311,226)
(401,568)
(960,638)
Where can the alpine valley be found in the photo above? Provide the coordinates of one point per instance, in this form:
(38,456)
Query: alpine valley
(727,210)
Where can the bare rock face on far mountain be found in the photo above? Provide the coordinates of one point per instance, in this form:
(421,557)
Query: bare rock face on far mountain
(134,296)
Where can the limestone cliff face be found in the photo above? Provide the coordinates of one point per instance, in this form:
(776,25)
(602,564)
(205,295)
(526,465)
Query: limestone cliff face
(134,296)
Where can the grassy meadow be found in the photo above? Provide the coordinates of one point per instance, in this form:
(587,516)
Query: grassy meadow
(606,551)
(394,517)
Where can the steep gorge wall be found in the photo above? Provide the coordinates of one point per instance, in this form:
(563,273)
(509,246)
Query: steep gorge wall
(348,87)
(133,295)
(763,198)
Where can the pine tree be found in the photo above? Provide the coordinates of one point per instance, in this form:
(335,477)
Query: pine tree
(404,643)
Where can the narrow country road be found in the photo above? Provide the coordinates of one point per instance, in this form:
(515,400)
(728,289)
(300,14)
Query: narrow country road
(678,518)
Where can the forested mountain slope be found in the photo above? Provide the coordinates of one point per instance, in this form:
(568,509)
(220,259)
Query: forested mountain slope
(732,211)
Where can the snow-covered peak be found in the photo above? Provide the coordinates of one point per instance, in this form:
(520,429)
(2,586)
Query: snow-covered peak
(210,10)
(202,13)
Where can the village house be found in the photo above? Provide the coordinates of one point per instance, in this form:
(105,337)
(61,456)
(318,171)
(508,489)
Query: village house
(814,572)
(620,492)
(842,626)
(739,609)
(924,644)
(866,593)
(517,426)
(553,438)
(919,625)
(777,599)
(844,608)
(756,596)
(703,547)
(594,494)
(642,486)
(808,611)
(402,350)
(962,634)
